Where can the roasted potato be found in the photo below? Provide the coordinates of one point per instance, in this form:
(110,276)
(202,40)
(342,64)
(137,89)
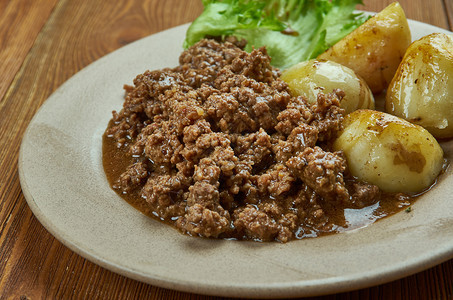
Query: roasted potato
(387,151)
(422,89)
(312,77)
(375,49)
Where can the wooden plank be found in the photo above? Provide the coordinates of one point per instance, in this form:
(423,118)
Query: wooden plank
(449,10)
(3,4)
(20,23)
(32,263)
(431,12)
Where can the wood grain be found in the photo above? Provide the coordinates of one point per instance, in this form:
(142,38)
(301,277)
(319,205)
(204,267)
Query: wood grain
(20,23)
(449,9)
(43,43)
(32,262)
(431,12)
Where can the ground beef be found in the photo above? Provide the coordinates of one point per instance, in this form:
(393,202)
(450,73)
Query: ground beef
(322,171)
(219,148)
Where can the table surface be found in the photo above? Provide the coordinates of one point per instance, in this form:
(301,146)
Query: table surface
(42,44)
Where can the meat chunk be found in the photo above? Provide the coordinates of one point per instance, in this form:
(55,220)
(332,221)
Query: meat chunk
(256,224)
(134,176)
(322,171)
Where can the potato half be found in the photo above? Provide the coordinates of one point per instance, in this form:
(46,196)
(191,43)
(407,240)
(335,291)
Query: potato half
(312,77)
(422,89)
(375,49)
(389,152)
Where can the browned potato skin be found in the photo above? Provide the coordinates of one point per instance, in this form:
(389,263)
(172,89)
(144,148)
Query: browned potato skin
(375,49)
(309,78)
(422,89)
(389,152)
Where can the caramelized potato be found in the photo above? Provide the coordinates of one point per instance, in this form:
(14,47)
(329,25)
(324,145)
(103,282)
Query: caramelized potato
(422,89)
(312,77)
(387,151)
(375,49)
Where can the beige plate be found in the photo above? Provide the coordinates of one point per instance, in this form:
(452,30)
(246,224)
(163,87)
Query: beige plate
(64,183)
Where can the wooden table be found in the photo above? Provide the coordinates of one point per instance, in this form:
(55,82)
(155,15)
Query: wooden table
(43,43)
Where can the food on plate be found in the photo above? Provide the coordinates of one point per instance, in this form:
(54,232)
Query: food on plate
(292,31)
(422,89)
(375,49)
(310,78)
(218,147)
(221,146)
(389,152)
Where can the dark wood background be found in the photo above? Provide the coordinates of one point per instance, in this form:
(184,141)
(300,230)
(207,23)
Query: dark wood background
(45,42)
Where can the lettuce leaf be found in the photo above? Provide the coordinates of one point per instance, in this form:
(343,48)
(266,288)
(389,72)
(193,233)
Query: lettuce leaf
(292,30)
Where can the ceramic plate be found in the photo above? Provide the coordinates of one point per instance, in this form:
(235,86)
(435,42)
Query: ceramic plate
(64,183)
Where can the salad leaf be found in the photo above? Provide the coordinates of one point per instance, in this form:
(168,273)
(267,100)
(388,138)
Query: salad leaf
(221,18)
(292,30)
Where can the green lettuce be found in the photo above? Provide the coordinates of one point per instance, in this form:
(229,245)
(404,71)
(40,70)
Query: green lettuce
(292,30)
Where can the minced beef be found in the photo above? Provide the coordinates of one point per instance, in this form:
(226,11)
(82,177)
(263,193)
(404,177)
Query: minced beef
(219,148)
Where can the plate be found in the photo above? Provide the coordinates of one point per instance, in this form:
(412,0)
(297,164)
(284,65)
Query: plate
(64,184)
